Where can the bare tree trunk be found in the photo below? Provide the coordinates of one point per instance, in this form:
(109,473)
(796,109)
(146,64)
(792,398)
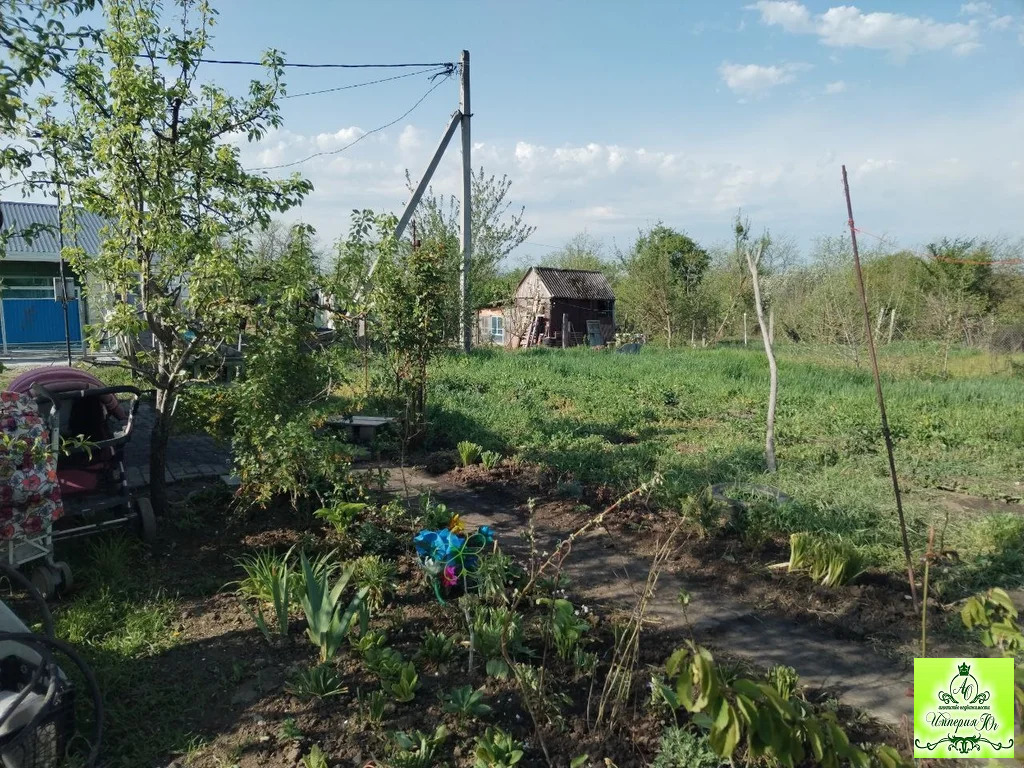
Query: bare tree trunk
(773,387)
(158,451)
(669,324)
(892,325)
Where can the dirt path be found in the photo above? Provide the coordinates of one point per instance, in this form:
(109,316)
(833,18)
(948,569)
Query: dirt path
(607,575)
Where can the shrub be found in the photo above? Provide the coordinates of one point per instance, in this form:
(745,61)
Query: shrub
(469,452)
(374,540)
(681,748)
(340,515)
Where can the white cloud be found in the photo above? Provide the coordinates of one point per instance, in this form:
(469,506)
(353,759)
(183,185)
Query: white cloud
(410,139)
(846,26)
(976,9)
(1001,22)
(754,79)
(837,87)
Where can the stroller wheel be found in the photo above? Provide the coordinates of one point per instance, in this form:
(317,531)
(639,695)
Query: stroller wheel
(46,580)
(66,579)
(145,520)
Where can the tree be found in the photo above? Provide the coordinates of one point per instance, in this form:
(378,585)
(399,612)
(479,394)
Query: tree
(583,252)
(152,149)
(496,228)
(753,253)
(662,272)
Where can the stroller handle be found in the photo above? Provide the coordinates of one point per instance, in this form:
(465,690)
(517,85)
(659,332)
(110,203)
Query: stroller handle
(40,391)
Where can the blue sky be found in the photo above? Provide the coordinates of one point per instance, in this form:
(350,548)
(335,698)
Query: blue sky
(609,116)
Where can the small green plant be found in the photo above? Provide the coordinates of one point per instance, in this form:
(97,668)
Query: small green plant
(403,688)
(487,624)
(289,731)
(316,758)
(385,663)
(376,703)
(433,515)
(417,749)
(784,680)
(328,624)
(490,459)
(829,561)
(563,625)
(497,749)
(367,641)
(270,575)
(494,574)
(341,515)
(437,647)
(994,613)
(465,702)
(469,452)
(705,512)
(377,576)
(319,682)
(681,748)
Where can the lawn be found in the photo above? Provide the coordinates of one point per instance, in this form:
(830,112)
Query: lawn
(697,417)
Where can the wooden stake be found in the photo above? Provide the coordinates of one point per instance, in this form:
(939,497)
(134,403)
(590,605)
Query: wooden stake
(878,392)
(565,331)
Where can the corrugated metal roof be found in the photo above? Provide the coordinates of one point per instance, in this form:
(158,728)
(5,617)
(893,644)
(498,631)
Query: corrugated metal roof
(44,245)
(575,283)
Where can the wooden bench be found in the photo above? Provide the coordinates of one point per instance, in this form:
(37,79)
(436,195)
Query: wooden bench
(362,429)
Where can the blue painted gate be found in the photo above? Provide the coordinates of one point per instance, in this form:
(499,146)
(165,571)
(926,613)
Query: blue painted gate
(39,321)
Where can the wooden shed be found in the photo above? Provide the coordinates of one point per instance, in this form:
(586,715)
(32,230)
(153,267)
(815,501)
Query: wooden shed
(546,297)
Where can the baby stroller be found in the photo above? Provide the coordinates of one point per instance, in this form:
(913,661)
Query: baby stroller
(88,429)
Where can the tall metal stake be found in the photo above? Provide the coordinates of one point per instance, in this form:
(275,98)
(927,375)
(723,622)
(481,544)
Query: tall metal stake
(878,391)
(467,204)
(63,280)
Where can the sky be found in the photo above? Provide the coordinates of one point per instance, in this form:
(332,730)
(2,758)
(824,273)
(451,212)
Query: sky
(612,116)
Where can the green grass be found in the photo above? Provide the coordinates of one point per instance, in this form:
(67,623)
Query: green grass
(697,417)
(122,629)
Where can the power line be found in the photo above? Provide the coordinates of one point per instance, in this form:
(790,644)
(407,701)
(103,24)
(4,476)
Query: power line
(296,65)
(356,141)
(369,82)
(939,257)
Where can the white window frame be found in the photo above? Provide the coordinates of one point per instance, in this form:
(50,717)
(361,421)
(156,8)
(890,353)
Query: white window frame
(497,329)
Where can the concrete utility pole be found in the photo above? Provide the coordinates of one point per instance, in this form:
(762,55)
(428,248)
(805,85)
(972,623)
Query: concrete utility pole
(467,204)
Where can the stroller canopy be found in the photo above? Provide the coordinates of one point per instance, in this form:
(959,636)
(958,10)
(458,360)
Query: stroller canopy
(57,379)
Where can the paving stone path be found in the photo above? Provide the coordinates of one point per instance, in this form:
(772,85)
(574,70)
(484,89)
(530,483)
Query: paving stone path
(189,457)
(859,677)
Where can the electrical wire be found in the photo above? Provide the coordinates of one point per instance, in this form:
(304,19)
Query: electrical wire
(378,129)
(369,82)
(297,65)
(938,257)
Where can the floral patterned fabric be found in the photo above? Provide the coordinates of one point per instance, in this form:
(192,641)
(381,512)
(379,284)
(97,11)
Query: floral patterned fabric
(29,494)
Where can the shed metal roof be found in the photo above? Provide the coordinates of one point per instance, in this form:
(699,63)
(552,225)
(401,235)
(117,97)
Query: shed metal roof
(575,283)
(44,245)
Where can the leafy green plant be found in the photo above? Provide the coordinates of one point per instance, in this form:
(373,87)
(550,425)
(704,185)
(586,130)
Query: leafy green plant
(316,758)
(403,687)
(465,702)
(437,647)
(994,613)
(682,748)
(490,459)
(784,679)
(340,515)
(829,561)
(494,574)
(771,726)
(377,576)
(319,682)
(328,624)
(386,663)
(563,625)
(497,749)
(469,452)
(487,624)
(433,515)
(417,749)
(369,640)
